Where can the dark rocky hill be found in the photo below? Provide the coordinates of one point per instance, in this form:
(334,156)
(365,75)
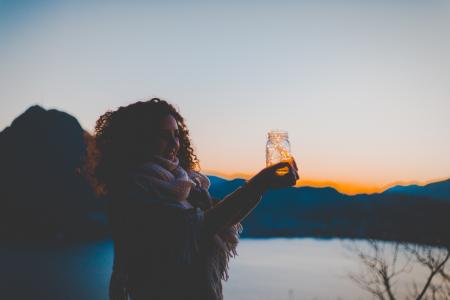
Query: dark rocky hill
(42,195)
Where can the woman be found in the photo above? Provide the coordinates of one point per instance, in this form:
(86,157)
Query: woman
(171,240)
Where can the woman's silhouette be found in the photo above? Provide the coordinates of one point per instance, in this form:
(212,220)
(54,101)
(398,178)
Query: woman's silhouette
(171,240)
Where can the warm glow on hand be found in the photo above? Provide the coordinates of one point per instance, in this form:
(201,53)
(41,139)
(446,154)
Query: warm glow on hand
(284,170)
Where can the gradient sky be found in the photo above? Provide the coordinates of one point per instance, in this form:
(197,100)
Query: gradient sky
(362,87)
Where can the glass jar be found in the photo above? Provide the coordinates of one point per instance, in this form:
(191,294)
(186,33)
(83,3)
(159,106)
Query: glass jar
(278,149)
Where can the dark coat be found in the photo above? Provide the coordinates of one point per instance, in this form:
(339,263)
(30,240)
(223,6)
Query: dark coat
(159,245)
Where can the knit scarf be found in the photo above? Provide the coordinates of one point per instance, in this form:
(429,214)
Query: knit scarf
(173,185)
(169,179)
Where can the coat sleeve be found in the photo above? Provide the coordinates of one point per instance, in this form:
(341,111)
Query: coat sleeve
(232,209)
(164,228)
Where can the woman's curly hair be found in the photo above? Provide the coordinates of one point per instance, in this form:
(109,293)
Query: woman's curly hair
(122,139)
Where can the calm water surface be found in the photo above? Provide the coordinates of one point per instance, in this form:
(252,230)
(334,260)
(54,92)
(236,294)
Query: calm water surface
(271,269)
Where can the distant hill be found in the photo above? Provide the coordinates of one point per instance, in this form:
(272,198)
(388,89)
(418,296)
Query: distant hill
(221,187)
(41,194)
(436,190)
(399,214)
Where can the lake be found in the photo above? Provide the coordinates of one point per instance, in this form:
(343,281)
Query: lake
(272,269)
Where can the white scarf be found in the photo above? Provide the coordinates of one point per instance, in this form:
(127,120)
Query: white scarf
(171,181)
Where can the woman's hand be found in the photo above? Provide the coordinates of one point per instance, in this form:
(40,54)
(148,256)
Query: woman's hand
(268,178)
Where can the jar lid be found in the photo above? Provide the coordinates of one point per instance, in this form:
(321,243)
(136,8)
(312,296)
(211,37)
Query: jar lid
(277,133)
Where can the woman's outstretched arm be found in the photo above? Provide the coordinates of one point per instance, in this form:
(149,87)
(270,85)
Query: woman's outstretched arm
(233,208)
(237,205)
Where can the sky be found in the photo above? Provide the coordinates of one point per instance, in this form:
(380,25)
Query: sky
(362,87)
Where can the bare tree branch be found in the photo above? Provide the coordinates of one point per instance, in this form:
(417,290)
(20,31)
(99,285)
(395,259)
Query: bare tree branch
(435,266)
(382,269)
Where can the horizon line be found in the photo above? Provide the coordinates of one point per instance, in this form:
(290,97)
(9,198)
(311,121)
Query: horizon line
(348,188)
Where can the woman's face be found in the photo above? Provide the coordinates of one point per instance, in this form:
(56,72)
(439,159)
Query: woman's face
(167,141)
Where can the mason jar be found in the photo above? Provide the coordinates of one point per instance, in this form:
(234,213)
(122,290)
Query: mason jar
(278,149)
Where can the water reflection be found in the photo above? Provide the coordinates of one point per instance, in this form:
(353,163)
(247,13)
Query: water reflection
(388,270)
(270,269)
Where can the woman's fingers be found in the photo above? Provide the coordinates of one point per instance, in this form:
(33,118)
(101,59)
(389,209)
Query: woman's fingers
(295,168)
(293,171)
(280,165)
(291,177)
(288,179)
(297,177)
(295,164)
(294,175)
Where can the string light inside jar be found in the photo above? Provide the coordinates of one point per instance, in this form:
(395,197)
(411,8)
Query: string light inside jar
(278,149)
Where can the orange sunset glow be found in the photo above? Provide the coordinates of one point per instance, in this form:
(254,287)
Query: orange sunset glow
(348,188)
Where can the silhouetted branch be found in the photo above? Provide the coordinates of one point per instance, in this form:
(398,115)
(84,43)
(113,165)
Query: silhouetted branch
(435,262)
(380,271)
(378,274)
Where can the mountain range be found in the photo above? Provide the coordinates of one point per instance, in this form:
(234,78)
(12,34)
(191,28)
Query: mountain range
(396,214)
(42,195)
